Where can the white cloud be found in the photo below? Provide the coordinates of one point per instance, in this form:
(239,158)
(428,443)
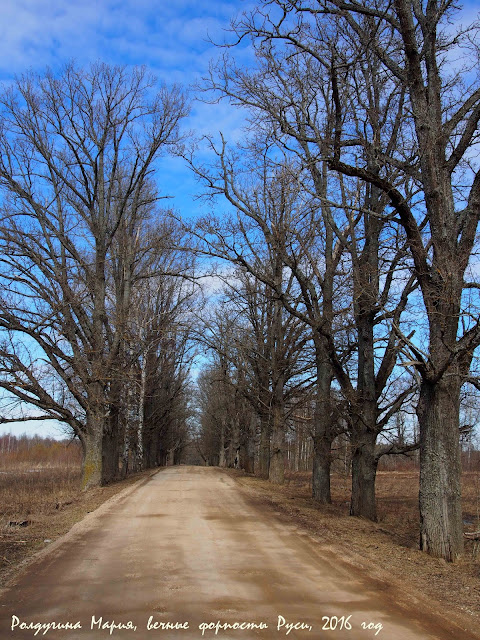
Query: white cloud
(35,33)
(170,38)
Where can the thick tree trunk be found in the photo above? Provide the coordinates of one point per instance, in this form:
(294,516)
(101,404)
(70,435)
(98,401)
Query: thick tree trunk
(101,452)
(149,449)
(234,446)
(124,458)
(276,471)
(248,460)
(177,455)
(92,459)
(364,403)
(364,471)
(150,432)
(110,456)
(441,528)
(322,461)
(112,434)
(221,448)
(323,429)
(264,453)
(161,459)
(247,450)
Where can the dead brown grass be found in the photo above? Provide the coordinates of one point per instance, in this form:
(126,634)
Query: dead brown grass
(397,501)
(37,506)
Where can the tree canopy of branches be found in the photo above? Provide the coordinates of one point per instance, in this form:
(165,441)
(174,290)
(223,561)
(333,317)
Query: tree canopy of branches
(260,368)
(416,154)
(76,156)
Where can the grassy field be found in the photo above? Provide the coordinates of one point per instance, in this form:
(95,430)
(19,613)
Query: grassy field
(31,502)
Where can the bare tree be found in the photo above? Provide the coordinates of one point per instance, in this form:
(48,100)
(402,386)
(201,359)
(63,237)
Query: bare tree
(411,45)
(150,375)
(354,320)
(76,153)
(258,351)
(271,345)
(266,210)
(163,366)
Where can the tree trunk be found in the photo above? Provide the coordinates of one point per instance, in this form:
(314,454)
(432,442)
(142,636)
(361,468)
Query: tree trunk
(322,461)
(324,431)
(221,449)
(364,471)
(249,458)
(92,459)
(110,456)
(234,445)
(441,525)
(276,471)
(264,453)
(141,412)
(364,405)
(247,450)
(112,433)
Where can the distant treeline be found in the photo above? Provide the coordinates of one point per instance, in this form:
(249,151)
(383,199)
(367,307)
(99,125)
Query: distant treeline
(36,450)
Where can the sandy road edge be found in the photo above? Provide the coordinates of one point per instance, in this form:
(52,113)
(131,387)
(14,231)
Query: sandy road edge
(430,611)
(84,524)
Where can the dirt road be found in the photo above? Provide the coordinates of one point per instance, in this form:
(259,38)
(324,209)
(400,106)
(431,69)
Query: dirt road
(187,553)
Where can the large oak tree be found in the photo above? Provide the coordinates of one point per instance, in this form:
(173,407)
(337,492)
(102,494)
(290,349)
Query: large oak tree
(76,155)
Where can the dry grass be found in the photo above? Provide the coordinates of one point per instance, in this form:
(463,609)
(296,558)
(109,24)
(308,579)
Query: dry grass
(38,505)
(26,453)
(31,500)
(34,493)
(397,500)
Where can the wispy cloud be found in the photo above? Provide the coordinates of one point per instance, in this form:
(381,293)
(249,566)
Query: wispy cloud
(172,39)
(166,36)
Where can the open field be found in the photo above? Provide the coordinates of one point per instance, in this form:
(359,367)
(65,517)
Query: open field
(397,501)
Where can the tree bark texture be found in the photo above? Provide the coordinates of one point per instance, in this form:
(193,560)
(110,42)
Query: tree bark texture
(264,452)
(364,470)
(441,526)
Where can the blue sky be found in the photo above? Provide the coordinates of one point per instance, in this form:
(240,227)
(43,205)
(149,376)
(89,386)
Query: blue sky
(170,37)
